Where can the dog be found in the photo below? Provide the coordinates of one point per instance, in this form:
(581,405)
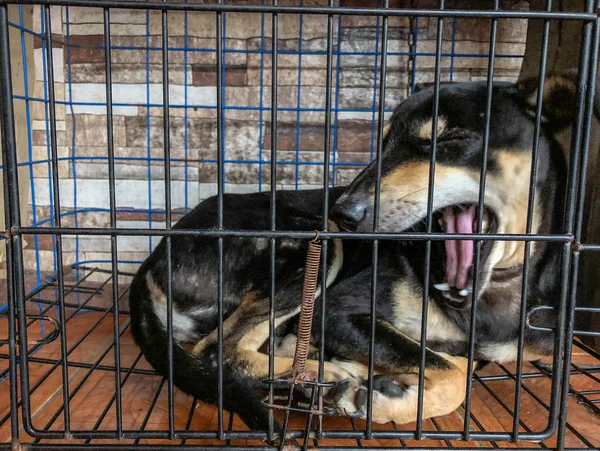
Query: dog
(403,188)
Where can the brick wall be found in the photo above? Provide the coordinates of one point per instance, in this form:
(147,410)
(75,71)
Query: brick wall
(137,96)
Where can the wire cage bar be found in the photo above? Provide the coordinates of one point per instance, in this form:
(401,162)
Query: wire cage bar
(66,321)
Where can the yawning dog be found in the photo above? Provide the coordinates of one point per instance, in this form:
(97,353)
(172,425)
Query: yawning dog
(405,164)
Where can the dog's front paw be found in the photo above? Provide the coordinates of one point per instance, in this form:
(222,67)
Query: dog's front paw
(350,396)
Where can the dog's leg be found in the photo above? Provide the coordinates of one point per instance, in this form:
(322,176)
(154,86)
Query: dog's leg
(229,325)
(246,355)
(397,358)
(244,333)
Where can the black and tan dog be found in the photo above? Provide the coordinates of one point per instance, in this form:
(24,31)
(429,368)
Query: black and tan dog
(405,169)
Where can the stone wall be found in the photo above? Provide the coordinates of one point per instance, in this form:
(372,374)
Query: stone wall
(138,122)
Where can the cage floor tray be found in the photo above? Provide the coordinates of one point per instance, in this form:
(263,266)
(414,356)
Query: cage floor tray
(144,395)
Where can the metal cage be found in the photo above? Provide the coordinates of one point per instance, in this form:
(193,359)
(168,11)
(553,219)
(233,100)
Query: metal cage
(66,293)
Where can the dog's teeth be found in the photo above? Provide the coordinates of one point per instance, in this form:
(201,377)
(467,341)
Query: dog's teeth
(464,292)
(442,286)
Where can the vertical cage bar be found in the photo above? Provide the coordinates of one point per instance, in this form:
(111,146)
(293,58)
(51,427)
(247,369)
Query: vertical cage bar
(413,49)
(47,127)
(373,145)
(562,347)
(577,133)
(14,246)
(579,151)
(559,340)
(12,335)
(480,210)
(336,108)
(10,305)
(148,131)
(260,101)
(568,343)
(224,97)
(298,101)
(590,97)
(286,418)
(113,216)
(185,112)
(530,211)
(73,138)
(167,166)
(38,273)
(11,210)
(272,248)
(309,420)
(56,195)
(380,122)
(325,243)
(30,156)
(453,41)
(430,194)
(220,170)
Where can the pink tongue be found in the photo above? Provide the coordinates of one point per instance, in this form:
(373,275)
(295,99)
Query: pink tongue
(459,254)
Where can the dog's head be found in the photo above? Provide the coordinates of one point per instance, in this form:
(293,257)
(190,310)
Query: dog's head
(460,141)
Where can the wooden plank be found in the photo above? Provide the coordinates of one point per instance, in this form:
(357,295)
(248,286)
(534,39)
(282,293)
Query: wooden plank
(138,391)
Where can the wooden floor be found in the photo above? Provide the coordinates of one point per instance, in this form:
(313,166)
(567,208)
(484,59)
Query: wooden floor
(91,383)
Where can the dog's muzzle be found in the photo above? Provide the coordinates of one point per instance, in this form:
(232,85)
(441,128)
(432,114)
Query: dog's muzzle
(348,213)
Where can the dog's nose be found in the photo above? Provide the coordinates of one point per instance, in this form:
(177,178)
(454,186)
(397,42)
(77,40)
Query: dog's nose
(349,213)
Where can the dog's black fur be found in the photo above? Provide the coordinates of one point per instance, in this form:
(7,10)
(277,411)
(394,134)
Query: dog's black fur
(405,162)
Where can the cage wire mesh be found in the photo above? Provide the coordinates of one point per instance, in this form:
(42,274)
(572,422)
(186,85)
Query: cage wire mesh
(83,379)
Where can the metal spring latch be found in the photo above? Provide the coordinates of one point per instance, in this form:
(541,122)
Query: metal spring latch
(307,308)
(298,374)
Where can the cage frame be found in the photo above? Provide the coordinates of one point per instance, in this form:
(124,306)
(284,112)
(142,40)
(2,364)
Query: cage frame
(571,237)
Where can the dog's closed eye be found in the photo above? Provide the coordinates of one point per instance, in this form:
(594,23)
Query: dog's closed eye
(453,135)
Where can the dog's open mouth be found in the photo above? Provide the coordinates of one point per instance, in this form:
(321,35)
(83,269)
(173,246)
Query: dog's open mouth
(459,255)
(452,261)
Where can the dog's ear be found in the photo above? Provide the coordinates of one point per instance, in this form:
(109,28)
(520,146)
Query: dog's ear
(420,86)
(559,97)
